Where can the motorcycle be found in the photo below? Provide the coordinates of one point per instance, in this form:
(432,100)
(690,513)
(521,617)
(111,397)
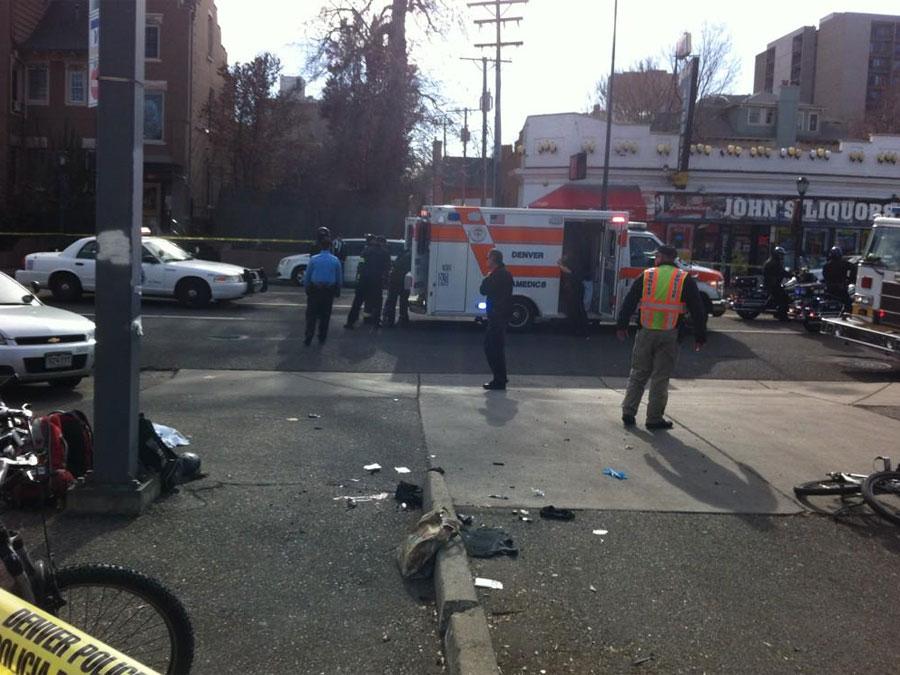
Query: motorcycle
(751,298)
(811,303)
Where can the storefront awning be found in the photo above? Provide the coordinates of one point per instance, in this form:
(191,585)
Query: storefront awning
(588,197)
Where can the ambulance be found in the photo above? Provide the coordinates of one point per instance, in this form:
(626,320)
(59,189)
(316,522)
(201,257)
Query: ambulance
(450,246)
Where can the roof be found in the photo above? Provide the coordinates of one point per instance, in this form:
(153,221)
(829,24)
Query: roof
(63,27)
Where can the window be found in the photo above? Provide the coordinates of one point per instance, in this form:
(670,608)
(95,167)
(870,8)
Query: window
(754,116)
(88,251)
(882,32)
(801,119)
(770,117)
(38,82)
(210,34)
(354,247)
(641,250)
(812,122)
(758,116)
(151,42)
(76,85)
(154,115)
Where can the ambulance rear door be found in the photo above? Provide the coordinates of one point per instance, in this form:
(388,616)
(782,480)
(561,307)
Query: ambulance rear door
(448,273)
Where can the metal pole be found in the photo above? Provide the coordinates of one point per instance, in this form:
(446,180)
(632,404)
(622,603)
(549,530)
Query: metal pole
(604,190)
(484,116)
(120,177)
(498,145)
(465,140)
(798,238)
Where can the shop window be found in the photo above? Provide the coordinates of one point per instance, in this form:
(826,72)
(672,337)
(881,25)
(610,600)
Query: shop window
(37,79)
(154,115)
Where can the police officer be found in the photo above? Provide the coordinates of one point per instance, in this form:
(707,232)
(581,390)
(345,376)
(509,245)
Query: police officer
(497,287)
(322,281)
(397,290)
(363,292)
(837,273)
(663,292)
(774,274)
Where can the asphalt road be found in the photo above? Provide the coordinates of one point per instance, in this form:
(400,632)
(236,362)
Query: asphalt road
(265,332)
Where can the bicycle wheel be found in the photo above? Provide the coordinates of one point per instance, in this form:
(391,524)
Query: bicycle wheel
(827,486)
(130,612)
(882,492)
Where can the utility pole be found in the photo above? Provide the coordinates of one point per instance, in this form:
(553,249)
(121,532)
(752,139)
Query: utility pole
(485,107)
(604,190)
(113,487)
(498,20)
(464,137)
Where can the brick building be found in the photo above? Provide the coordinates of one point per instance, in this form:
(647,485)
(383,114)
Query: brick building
(48,133)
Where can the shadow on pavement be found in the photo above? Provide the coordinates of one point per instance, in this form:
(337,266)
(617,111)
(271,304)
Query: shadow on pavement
(695,473)
(852,512)
(499,408)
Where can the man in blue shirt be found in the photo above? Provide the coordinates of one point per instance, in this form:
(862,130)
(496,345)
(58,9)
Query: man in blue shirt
(322,281)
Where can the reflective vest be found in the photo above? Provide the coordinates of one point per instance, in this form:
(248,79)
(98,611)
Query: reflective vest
(661,303)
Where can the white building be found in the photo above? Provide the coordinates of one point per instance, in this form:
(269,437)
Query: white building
(733,203)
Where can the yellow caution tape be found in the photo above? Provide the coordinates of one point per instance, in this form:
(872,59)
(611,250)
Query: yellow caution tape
(76,235)
(32,642)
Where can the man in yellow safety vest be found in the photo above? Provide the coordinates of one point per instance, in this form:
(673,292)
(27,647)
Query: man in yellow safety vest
(662,292)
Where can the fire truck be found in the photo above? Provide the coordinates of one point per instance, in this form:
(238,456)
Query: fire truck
(875,318)
(450,246)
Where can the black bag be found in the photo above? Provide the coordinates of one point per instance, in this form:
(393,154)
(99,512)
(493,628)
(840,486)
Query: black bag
(154,455)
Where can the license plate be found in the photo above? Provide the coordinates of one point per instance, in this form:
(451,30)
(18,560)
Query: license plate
(57,361)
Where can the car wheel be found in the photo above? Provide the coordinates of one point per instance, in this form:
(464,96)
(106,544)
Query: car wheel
(65,382)
(65,286)
(193,293)
(297,274)
(523,314)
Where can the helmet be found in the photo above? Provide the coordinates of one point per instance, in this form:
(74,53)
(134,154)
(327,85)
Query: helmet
(835,252)
(188,467)
(778,250)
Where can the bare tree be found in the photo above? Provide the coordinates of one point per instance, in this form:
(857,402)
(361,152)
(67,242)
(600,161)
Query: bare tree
(645,89)
(883,117)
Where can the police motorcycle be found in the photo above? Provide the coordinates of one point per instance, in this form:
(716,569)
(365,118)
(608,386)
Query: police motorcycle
(751,298)
(810,303)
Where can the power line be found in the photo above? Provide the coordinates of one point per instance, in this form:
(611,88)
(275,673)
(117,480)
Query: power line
(485,106)
(498,44)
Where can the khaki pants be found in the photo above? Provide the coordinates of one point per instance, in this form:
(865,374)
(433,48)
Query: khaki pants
(653,359)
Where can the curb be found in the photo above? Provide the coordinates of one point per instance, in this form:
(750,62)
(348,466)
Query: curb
(468,647)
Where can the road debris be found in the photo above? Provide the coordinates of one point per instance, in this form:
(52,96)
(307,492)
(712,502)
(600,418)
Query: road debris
(481,582)
(401,469)
(372,468)
(415,556)
(464,519)
(553,513)
(486,542)
(538,493)
(292,419)
(593,589)
(409,494)
(499,463)
(601,532)
(498,497)
(364,498)
(642,660)
(314,416)
(619,475)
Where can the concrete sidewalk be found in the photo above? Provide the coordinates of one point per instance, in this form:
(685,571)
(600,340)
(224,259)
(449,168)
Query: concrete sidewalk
(738,446)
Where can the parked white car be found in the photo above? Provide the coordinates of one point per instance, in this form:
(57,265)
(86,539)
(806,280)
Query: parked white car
(292,267)
(167,270)
(40,343)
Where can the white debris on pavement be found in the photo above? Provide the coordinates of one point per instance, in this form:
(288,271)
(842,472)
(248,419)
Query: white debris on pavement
(372,467)
(363,498)
(401,469)
(481,582)
(601,532)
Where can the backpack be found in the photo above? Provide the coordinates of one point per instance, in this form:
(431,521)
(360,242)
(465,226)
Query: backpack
(64,442)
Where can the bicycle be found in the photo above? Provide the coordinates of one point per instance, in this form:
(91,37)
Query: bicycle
(880,489)
(119,606)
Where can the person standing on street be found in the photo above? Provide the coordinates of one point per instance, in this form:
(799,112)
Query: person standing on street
(663,292)
(774,274)
(837,274)
(497,287)
(363,292)
(322,281)
(397,290)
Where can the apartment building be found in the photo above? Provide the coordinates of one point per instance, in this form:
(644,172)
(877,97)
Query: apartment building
(51,132)
(849,65)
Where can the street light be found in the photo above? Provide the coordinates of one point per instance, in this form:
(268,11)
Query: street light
(802,187)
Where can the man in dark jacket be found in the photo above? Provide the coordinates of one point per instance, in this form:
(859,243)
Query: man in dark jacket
(774,274)
(837,274)
(375,264)
(397,290)
(664,293)
(497,287)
